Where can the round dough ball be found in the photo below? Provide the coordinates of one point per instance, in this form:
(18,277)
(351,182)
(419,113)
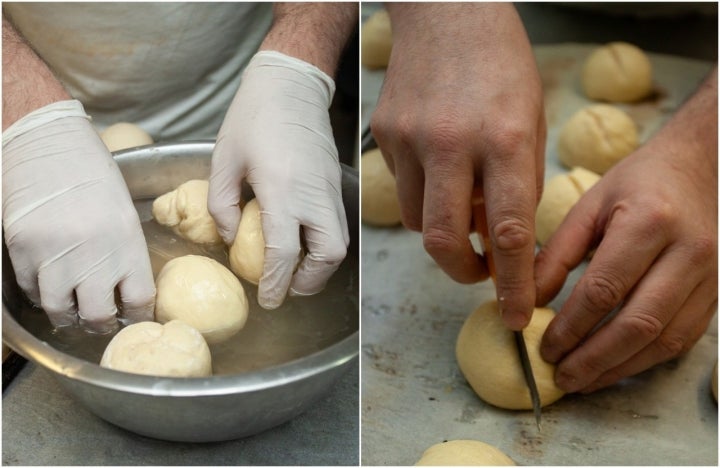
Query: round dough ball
(617,72)
(464,453)
(247,252)
(559,196)
(376,40)
(124,135)
(380,203)
(597,137)
(185,210)
(202,293)
(172,350)
(488,358)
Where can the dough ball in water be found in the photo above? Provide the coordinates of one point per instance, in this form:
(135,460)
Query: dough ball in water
(202,293)
(488,358)
(247,252)
(380,204)
(174,349)
(464,453)
(376,40)
(617,72)
(124,135)
(559,196)
(597,137)
(185,210)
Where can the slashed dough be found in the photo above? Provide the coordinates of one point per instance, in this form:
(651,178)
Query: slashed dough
(376,40)
(596,137)
(559,196)
(202,293)
(488,358)
(617,72)
(174,349)
(185,210)
(464,453)
(380,203)
(124,135)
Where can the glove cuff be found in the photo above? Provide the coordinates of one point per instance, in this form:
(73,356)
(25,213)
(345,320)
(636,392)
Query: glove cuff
(274,58)
(42,116)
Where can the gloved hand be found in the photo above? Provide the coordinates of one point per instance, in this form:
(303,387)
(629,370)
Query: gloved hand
(277,135)
(71,230)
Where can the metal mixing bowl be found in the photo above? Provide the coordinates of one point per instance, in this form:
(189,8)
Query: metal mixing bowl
(221,407)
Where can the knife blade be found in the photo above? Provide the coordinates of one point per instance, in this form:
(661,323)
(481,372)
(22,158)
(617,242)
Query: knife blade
(481,227)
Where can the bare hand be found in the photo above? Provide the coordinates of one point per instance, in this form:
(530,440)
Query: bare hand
(461,107)
(653,218)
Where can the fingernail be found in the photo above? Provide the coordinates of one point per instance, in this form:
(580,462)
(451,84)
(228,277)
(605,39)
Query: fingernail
(268,304)
(296,293)
(567,382)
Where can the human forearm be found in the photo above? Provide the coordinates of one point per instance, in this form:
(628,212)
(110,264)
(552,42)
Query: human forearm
(692,132)
(28,84)
(313,32)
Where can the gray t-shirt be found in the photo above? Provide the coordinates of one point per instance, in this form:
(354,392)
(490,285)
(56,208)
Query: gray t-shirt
(171,68)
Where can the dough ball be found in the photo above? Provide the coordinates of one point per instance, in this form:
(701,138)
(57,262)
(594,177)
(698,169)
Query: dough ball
(464,453)
(488,358)
(597,137)
(559,196)
(247,253)
(174,349)
(185,210)
(380,204)
(714,382)
(124,135)
(617,72)
(376,40)
(202,293)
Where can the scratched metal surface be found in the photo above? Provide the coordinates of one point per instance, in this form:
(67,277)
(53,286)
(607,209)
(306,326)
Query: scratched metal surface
(413,394)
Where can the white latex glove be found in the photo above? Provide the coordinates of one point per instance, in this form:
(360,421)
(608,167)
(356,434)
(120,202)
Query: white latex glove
(71,230)
(277,136)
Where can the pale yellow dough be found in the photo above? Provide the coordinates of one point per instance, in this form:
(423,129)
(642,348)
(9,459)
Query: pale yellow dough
(376,40)
(124,135)
(202,293)
(617,72)
(464,453)
(488,358)
(185,210)
(247,253)
(559,196)
(597,137)
(174,349)
(380,203)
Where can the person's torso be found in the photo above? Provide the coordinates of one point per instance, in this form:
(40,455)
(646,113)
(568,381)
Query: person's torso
(171,68)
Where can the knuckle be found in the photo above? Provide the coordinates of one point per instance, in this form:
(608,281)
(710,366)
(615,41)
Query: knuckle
(602,292)
(440,242)
(509,137)
(702,249)
(513,234)
(643,326)
(671,345)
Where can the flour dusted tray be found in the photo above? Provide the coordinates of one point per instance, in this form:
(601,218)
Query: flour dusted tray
(413,394)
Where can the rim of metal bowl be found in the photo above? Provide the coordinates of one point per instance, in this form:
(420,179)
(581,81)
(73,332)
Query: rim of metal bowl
(40,352)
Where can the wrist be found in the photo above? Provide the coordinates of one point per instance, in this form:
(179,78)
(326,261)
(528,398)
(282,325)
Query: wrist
(42,116)
(313,33)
